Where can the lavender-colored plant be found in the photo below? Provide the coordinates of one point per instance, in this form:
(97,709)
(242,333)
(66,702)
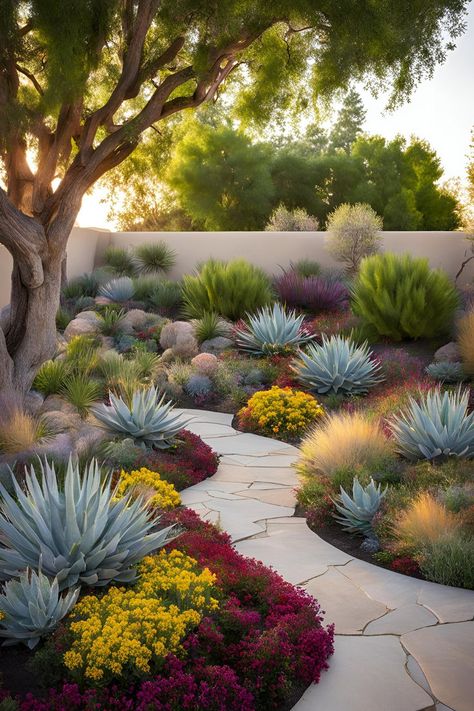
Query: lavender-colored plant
(314,293)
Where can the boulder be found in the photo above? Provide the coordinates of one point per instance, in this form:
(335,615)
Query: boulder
(80,327)
(91,316)
(87,438)
(33,401)
(57,404)
(58,421)
(134,320)
(449,352)
(216,345)
(179,337)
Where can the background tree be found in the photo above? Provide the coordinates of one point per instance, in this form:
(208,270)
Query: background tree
(349,123)
(81,80)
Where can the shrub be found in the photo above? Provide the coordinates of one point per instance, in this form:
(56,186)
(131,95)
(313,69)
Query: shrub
(446,372)
(120,261)
(424,521)
(353,232)
(280,412)
(32,607)
(147,484)
(313,293)
(437,426)
(230,289)
(337,366)
(81,354)
(449,560)
(298,220)
(111,320)
(155,257)
(51,377)
(272,331)
(149,420)
(166,297)
(343,441)
(205,363)
(401,297)
(315,495)
(52,529)
(145,284)
(81,392)
(306,267)
(466,342)
(63,318)
(19,430)
(210,325)
(199,386)
(118,290)
(85,286)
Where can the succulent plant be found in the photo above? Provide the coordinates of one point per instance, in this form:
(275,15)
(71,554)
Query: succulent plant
(149,420)
(272,330)
(437,426)
(199,385)
(78,534)
(32,607)
(446,371)
(118,290)
(337,366)
(357,513)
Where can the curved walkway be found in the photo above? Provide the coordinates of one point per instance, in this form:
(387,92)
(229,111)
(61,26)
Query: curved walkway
(401,644)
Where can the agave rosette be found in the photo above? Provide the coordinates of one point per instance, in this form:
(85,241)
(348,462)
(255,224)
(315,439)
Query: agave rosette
(272,330)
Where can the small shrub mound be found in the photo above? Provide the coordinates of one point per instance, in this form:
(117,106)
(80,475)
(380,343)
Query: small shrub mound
(401,297)
(143,482)
(280,412)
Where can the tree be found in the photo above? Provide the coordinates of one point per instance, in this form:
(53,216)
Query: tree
(221,180)
(82,80)
(353,232)
(349,123)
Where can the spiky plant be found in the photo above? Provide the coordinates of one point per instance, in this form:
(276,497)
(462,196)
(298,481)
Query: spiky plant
(154,257)
(149,420)
(446,372)
(306,267)
(166,297)
(436,426)
(146,363)
(79,534)
(51,377)
(81,355)
(357,512)
(32,607)
(337,366)
(209,326)
(110,321)
(272,330)
(120,261)
(118,290)
(82,392)
(63,318)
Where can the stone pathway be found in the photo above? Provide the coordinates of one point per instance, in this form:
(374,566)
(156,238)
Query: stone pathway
(401,644)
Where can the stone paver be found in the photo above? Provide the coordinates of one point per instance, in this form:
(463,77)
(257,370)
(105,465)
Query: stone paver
(401,644)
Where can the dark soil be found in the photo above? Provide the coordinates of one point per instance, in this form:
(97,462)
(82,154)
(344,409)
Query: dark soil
(15,673)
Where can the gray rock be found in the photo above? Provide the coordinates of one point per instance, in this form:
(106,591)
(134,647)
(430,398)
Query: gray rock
(58,421)
(216,345)
(87,438)
(57,403)
(449,352)
(33,401)
(60,447)
(80,327)
(91,316)
(174,331)
(134,320)
(167,356)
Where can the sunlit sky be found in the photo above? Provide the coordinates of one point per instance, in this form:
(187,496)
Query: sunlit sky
(441,110)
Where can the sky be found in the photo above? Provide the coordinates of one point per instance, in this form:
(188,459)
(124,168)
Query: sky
(441,111)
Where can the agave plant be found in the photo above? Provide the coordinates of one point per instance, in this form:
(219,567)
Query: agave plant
(149,420)
(337,366)
(357,513)
(79,534)
(32,607)
(446,371)
(437,426)
(272,330)
(118,290)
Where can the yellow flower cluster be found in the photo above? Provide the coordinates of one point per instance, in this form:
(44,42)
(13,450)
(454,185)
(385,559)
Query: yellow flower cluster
(281,411)
(128,630)
(158,493)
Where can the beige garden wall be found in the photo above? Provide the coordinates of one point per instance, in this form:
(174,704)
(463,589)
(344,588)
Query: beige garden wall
(269,250)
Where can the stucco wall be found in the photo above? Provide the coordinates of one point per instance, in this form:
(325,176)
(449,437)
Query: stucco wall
(269,250)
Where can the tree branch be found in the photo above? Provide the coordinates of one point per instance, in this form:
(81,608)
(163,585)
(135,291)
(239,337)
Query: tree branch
(31,77)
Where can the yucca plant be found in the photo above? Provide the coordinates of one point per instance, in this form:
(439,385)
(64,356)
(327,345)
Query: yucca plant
(32,607)
(120,261)
(51,377)
(437,426)
(166,297)
(357,512)
(209,326)
(110,320)
(155,257)
(272,330)
(337,366)
(149,420)
(146,363)
(81,355)
(230,289)
(401,297)
(79,534)
(82,392)
(145,284)
(118,290)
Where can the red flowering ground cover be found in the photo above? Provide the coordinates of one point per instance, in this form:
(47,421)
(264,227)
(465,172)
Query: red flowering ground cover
(258,651)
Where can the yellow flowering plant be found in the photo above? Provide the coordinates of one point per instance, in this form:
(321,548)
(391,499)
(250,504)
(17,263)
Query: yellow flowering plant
(157,492)
(129,631)
(284,413)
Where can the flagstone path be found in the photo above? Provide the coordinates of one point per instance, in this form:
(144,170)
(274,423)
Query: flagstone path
(401,644)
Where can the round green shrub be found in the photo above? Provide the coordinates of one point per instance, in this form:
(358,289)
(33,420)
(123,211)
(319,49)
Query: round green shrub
(401,297)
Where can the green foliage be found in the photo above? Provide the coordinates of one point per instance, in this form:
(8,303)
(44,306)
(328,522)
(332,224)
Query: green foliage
(435,427)
(357,513)
(63,317)
(82,392)
(32,607)
(118,290)
(120,261)
(51,377)
(306,268)
(271,331)
(349,123)
(338,365)
(166,297)
(50,527)
(401,297)
(85,285)
(353,232)
(297,220)
(210,325)
(110,320)
(449,561)
(81,355)
(154,257)
(149,420)
(230,289)
(145,285)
